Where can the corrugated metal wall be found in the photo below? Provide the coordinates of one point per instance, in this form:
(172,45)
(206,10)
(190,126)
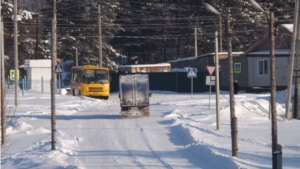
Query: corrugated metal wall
(169,81)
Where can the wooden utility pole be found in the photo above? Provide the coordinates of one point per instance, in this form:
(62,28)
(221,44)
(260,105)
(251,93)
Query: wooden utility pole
(76,56)
(2,87)
(220,33)
(196,46)
(16,50)
(295,114)
(273,92)
(36,36)
(295,29)
(217,82)
(53,77)
(233,119)
(100,37)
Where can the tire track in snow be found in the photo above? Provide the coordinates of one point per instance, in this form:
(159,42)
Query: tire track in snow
(165,164)
(129,152)
(263,112)
(210,132)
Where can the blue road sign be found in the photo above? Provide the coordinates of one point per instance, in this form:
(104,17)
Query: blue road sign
(192,72)
(237,67)
(58,69)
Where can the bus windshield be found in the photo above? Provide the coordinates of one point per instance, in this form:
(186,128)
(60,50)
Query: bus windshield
(94,76)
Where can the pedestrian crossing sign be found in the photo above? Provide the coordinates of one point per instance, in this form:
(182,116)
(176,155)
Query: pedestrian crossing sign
(237,67)
(58,69)
(191,72)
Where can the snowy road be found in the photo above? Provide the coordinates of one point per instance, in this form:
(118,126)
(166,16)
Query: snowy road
(179,133)
(109,141)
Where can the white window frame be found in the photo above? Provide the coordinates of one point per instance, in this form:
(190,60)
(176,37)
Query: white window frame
(264,74)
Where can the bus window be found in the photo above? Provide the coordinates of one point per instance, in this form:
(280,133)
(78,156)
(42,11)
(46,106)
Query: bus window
(74,75)
(101,76)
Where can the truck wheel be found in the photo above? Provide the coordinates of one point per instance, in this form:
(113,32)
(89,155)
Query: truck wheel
(105,98)
(73,92)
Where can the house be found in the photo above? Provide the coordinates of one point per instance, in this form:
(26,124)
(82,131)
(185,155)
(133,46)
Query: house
(254,64)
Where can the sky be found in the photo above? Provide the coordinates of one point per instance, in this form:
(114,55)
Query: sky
(180,133)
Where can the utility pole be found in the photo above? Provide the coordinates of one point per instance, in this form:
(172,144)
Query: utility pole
(295,29)
(233,119)
(16,50)
(217,82)
(273,92)
(76,55)
(296,76)
(196,50)
(2,87)
(220,38)
(100,37)
(53,77)
(36,36)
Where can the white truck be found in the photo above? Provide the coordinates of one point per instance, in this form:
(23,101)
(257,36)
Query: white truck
(134,95)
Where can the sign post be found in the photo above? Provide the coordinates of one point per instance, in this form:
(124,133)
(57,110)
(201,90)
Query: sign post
(191,73)
(210,70)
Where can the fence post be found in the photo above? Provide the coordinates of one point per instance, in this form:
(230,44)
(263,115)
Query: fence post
(23,85)
(42,85)
(59,83)
(8,82)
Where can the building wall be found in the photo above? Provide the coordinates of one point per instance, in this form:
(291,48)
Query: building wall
(200,63)
(38,73)
(281,70)
(242,77)
(249,76)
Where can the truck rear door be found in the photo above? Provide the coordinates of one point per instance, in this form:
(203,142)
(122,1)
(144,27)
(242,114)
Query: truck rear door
(141,91)
(127,91)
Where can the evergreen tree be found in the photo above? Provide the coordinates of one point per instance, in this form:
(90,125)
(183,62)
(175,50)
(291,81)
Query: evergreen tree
(77,27)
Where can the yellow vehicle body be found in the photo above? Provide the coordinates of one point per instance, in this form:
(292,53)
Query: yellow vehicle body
(90,80)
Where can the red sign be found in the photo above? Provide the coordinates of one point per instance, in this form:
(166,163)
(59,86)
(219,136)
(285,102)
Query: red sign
(211,70)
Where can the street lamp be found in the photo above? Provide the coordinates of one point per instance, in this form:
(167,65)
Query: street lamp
(275,147)
(213,10)
(233,119)
(256,5)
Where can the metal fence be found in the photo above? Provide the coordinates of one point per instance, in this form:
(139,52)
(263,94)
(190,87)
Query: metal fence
(35,85)
(169,81)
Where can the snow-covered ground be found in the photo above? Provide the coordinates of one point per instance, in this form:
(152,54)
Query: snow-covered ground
(179,133)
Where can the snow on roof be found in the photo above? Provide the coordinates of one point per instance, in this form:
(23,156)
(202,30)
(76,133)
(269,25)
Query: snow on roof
(185,69)
(288,27)
(147,65)
(267,52)
(208,54)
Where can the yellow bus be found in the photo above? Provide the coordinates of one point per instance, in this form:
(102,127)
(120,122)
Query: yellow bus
(90,80)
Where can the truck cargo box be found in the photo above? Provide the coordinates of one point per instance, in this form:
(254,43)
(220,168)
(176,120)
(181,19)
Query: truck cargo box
(134,94)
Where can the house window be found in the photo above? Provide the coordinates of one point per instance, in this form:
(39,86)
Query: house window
(263,68)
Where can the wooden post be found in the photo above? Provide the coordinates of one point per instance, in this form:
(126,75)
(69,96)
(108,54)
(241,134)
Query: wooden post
(217,82)
(53,77)
(100,36)
(231,92)
(273,91)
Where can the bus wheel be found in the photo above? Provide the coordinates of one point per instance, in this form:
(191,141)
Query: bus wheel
(105,98)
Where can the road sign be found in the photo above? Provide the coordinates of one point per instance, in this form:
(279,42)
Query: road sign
(12,75)
(211,70)
(192,72)
(58,69)
(210,80)
(237,67)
